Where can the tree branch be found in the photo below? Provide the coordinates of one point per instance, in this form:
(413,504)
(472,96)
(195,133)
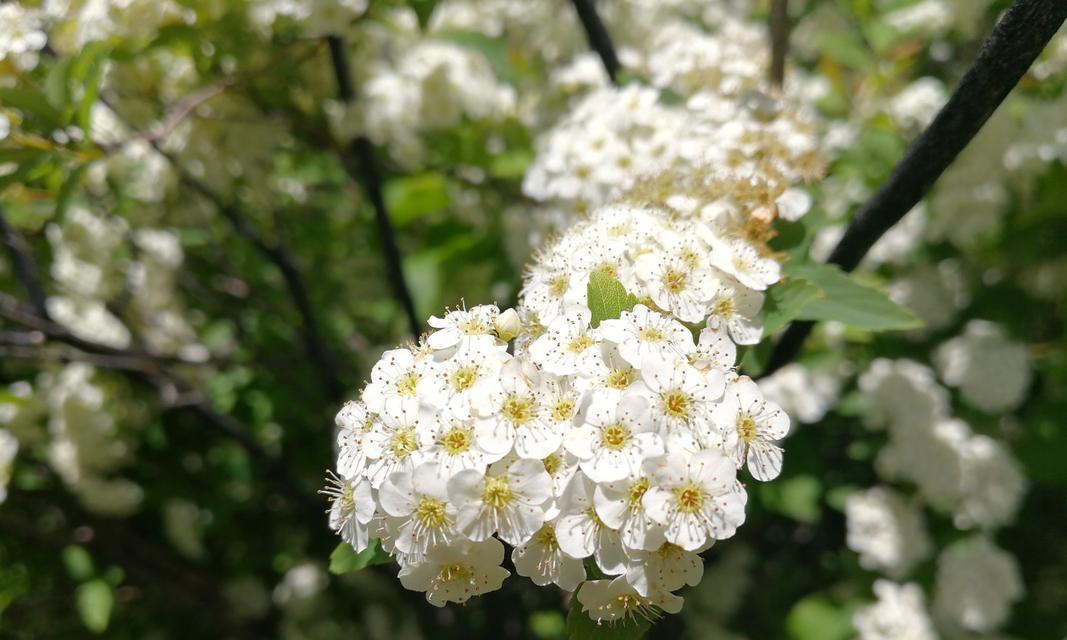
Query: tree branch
(779,30)
(25,271)
(598,36)
(361,166)
(1018,38)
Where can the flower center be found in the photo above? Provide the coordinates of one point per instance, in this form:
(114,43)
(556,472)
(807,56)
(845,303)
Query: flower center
(650,334)
(636,492)
(615,437)
(552,464)
(473,328)
(674,280)
(456,441)
(457,571)
(463,378)
(580,344)
(746,428)
(591,512)
(724,308)
(689,498)
(497,493)
(558,286)
(546,537)
(677,404)
(405,384)
(430,513)
(619,379)
(403,442)
(518,409)
(563,411)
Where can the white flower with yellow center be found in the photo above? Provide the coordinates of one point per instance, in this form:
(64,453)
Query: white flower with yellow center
(614,381)
(614,441)
(569,346)
(352,507)
(465,328)
(744,262)
(664,569)
(420,516)
(735,308)
(454,444)
(468,383)
(619,505)
(542,561)
(616,600)
(456,572)
(392,445)
(580,531)
(681,400)
(752,425)
(643,333)
(399,382)
(676,284)
(695,496)
(523,420)
(509,501)
(354,422)
(551,288)
(715,349)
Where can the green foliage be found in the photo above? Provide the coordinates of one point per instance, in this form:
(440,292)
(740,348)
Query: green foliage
(344,558)
(786,301)
(817,618)
(843,299)
(607,298)
(412,197)
(95,601)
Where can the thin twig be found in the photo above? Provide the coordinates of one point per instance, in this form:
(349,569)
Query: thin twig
(1018,38)
(599,38)
(25,271)
(184,108)
(362,167)
(779,29)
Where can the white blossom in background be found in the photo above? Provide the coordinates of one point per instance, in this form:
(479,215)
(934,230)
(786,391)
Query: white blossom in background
(9,446)
(899,614)
(933,292)
(901,392)
(22,35)
(804,393)
(991,371)
(977,584)
(886,530)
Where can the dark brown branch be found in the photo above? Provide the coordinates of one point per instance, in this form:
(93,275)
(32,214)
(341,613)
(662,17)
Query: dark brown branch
(362,167)
(599,38)
(1018,38)
(25,271)
(779,30)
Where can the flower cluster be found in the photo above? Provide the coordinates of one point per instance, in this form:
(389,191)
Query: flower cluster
(614,439)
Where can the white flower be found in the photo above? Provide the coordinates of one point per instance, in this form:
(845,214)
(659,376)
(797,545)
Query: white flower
(392,445)
(420,515)
(353,423)
(456,572)
(569,346)
(901,392)
(715,349)
(681,400)
(899,614)
(398,382)
(991,371)
(752,425)
(619,505)
(977,583)
(696,497)
(523,420)
(614,600)
(456,444)
(464,328)
(803,393)
(664,569)
(541,560)
(9,446)
(735,308)
(352,507)
(507,501)
(581,533)
(676,284)
(643,333)
(992,484)
(468,383)
(744,262)
(886,531)
(614,441)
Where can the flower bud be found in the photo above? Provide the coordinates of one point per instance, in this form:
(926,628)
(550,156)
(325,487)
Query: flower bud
(508,325)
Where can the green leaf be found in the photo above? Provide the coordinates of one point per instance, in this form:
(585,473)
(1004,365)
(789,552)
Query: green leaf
(846,301)
(413,197)
(607,298)
(581,627)
(817,618)
(510,165)
(78,562)
(95,601)
(423,10)
(32,103)
(797,498)
(69,188)
(344,558)
(786,301)
(847,49)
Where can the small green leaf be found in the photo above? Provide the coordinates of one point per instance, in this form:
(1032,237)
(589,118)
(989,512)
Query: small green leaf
(786,301)
(510,165)
(846,301)
(581,627)
(413,197)
(78,562)
(32,103)
(344,558)
(95,601)
(817,618)
(423,10)
(607,298)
